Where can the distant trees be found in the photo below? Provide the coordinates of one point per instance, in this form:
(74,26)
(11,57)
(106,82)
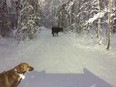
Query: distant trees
(24,16)
(8,17)
(5,22)
(14,12)
(28,20)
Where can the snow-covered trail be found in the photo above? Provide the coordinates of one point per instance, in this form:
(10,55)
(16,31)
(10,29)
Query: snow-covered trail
(60,55)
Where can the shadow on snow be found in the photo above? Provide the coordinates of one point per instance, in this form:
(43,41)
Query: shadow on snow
(43,79)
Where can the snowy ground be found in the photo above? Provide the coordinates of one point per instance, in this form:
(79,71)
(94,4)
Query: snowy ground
(63,61)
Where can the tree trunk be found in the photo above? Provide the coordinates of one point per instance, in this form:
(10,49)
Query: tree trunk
(109,22)
(99,21)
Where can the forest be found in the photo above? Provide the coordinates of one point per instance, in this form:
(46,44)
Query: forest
(21,19)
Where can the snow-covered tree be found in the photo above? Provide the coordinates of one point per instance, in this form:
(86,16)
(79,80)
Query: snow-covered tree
(63,17)
(28,20)
(74,14)
(66,15)
(113,21)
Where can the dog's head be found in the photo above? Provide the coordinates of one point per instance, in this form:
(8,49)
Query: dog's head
(23,67)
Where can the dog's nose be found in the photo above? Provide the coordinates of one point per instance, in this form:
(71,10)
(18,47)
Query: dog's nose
(32,68)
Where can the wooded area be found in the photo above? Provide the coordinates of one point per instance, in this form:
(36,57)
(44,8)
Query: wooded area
(78,16)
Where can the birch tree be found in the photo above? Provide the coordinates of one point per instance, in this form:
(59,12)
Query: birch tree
(99,21)
(109,23)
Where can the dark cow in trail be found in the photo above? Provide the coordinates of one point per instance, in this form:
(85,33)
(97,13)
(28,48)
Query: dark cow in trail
(56,30)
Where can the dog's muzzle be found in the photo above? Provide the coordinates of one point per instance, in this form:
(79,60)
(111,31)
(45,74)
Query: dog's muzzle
(31,69)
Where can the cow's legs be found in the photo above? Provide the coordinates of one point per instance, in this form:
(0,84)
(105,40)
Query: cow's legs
(53,33)
(56,34)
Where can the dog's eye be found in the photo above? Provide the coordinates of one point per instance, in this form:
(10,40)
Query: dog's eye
(28,66)
(23,66)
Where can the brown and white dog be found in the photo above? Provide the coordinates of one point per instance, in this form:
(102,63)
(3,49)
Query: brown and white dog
(13,77)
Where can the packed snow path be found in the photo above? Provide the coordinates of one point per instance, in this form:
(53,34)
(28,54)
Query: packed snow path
(58,62)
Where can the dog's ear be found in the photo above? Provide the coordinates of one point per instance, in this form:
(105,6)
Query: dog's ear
(18,68)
